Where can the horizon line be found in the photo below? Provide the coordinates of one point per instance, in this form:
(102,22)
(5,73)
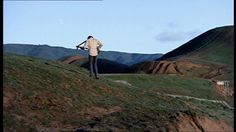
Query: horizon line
(75,49)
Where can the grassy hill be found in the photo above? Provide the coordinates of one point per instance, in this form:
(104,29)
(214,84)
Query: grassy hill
(56,53)
(216,45)
(45,95)
(209,55)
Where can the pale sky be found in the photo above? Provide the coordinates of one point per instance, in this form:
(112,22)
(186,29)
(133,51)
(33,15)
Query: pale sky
(134,26)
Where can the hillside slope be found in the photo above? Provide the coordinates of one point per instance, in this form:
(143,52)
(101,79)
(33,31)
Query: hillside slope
(214,45)
(43,95)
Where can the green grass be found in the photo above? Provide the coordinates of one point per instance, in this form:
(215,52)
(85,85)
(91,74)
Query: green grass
(47,91)
(175,84)
(222,53)
(16,125)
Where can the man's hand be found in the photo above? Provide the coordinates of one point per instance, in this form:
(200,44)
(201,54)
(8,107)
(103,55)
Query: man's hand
(98,49)
(78,47)
(82,48)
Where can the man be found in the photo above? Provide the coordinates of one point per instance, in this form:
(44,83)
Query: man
(93,45)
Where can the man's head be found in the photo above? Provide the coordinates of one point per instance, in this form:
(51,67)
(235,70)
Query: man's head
(90,37)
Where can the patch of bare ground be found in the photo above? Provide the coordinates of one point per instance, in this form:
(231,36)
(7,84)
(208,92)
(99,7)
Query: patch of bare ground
(164,67)
(186,122)
(224,91)
(9,97)
(169,67)
(73,59)
(99,112)
(105,88)
(213,73)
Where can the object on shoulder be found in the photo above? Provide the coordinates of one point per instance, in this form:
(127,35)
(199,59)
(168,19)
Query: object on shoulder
(79,45)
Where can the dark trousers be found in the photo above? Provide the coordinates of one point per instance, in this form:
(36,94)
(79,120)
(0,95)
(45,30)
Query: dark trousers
(93,65)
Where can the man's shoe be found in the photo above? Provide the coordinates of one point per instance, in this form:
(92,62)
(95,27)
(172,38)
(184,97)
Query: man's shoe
(97,77)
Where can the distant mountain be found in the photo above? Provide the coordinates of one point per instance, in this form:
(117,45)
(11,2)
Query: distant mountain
(209,55)
(41,51)
(55,53)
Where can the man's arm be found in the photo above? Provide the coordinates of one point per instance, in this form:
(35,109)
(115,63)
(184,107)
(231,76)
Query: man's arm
(86,45)
(99,46)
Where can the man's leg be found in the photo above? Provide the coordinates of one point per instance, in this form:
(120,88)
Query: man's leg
(90,65)
(95,67)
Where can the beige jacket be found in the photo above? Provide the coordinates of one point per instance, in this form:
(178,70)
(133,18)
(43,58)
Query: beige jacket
(93,45)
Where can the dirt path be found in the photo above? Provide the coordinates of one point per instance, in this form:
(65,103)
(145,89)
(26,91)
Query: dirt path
(172,95)
(200,99)
(116,74)
(183,96)
(122,82)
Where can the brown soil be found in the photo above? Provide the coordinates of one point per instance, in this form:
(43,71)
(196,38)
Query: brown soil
(104,88)
(189,65)
(190,122)
(213,73)
(98,112)
(223,90)
(168,67)
(9,97)
(160,67)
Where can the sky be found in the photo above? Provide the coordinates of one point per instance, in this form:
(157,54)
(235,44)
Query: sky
(133,26)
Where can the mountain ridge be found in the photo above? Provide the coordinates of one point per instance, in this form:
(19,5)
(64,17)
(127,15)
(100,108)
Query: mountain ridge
(200,42)
(54,53)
